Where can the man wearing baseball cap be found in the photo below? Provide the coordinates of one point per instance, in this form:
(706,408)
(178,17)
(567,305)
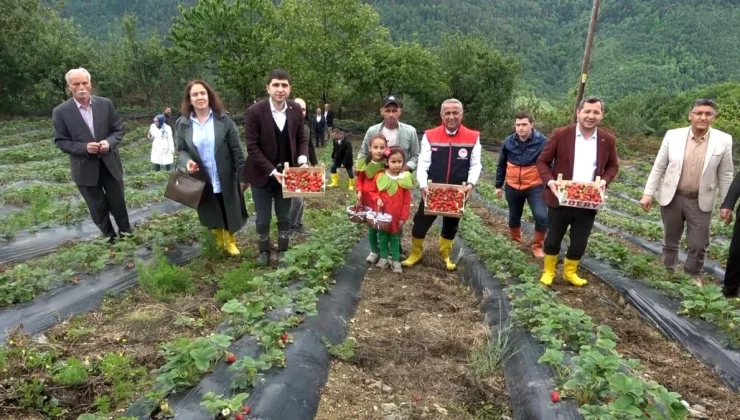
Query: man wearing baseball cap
(397,133)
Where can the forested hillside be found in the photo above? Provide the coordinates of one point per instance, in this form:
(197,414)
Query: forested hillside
(98,17)
(640,44)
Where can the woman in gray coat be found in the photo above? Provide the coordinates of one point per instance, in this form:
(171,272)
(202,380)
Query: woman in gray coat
(208,147)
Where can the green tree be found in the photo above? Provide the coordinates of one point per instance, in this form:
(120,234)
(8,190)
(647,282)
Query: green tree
(318,40)
(482,78)
(231,40)
(37,47)
(145,60)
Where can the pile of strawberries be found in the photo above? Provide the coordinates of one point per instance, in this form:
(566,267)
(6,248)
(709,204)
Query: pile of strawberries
(304,181)
(445,199)
(583,192)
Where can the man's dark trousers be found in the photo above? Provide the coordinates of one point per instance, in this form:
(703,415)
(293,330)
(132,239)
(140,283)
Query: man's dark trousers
(263,198)
(732,273)
(104,199)
(581,221)
(516,198)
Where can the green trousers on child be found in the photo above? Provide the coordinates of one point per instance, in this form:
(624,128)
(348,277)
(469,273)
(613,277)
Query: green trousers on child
(389,242)
(372,237)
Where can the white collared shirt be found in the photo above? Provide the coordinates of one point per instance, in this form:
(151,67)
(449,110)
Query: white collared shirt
(87,115)
(318,118)
(280,116)
(584,161)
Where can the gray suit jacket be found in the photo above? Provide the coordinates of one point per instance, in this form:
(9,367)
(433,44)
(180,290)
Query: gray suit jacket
(71,136)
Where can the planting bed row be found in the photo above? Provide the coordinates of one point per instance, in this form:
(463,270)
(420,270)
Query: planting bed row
(101,361)
(600,380)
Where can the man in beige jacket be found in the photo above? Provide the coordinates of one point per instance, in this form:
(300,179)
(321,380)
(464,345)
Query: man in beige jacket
(693,164)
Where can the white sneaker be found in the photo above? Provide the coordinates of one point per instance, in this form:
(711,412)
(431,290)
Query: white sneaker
(372,258)
(383,263)
(397,267)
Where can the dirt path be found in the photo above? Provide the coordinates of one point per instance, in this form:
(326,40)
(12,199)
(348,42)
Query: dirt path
(665,361)
(414,336)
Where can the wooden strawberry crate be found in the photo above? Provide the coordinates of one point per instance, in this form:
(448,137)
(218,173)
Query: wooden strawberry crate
(459,206)
(581,199)
(309,175)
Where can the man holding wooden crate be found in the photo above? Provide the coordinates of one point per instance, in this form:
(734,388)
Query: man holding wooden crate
(450,154)
(581,152)
(274,134)
(693,164)
(517,174)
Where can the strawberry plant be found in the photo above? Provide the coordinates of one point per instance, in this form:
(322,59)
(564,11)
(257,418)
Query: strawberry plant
(600,380)
(248,370)
(222,407)
(187,359)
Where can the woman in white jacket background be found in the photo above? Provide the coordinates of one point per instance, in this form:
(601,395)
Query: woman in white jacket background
(163,146)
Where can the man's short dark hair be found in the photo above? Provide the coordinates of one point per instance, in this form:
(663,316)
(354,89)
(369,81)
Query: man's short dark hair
(591,100)
(704,102)
(522,115)
(278,74)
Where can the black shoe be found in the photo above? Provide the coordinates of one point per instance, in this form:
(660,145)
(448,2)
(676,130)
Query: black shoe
(264,248)
(300,230)
(264,258)
(730,294)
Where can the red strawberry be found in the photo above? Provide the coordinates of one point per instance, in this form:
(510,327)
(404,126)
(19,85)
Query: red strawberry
(555,396)
(239,416)
(230,358)
(247,409)
(284,337)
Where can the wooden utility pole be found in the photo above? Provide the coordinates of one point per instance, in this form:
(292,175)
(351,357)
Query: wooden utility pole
(587,56)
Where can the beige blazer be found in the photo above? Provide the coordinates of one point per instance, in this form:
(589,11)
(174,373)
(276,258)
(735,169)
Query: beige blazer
(717,171)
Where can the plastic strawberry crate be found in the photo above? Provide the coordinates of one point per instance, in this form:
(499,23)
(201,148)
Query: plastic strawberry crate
(433,189)
(565,198)
(316,173)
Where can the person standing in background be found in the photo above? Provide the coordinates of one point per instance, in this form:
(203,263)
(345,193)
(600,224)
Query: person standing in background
(298,204)
(318,127)
(89,130)
(693,164)
(163,146)
(517,173)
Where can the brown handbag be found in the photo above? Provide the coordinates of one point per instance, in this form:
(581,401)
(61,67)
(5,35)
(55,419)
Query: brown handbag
(184,189)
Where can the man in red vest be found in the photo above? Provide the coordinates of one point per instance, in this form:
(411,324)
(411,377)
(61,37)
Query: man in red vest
(450,154)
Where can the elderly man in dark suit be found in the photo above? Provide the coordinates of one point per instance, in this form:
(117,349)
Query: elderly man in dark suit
(581,152)
(89,130)
(275,134)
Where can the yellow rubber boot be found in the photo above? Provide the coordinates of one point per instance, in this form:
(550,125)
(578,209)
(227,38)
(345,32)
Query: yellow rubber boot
(548,273)
(231,243)
(351,185)
(570,268)
(334,181)
(445,249)
(417,246)
(218,235)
